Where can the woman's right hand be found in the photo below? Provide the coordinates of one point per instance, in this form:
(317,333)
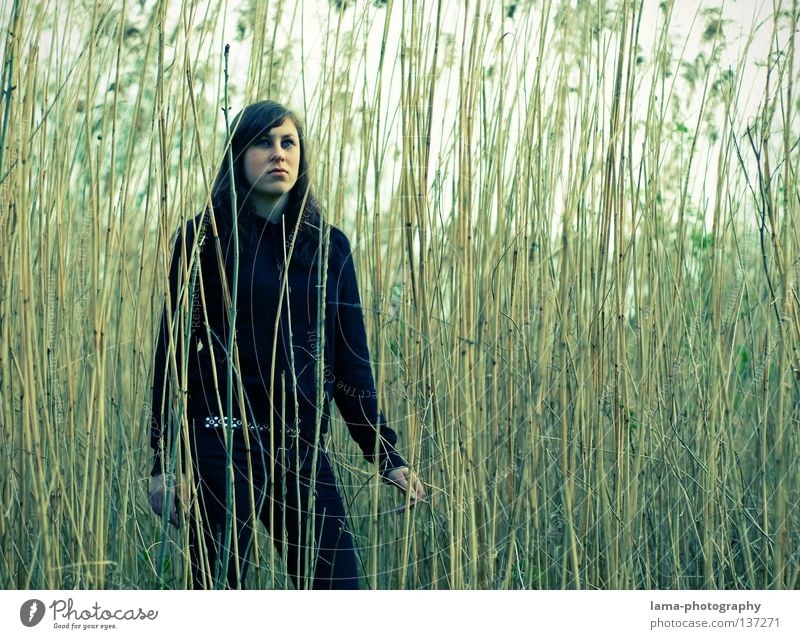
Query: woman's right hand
(163,494)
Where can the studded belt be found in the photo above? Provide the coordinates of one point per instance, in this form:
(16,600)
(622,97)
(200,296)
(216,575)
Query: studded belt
(214,421)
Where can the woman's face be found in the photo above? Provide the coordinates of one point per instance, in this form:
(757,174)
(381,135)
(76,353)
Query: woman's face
(272,162)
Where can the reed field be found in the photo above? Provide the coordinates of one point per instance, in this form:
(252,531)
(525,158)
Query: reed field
(575,224)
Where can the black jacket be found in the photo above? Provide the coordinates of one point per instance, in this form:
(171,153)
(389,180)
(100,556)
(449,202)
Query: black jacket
(347,374)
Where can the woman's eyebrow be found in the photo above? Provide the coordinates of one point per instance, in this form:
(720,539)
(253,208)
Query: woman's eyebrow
(270,136)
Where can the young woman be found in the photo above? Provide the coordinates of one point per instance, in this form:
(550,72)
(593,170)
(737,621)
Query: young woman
(268,387)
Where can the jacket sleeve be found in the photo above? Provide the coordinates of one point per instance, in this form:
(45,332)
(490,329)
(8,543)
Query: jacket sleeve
(163,413)
(354,386)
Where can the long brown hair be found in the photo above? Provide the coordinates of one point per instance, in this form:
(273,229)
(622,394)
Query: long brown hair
(249,125)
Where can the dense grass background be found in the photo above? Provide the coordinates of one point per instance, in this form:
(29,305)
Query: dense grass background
(576,226)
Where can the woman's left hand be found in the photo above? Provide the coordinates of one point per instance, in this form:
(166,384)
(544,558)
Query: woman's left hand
(406,481)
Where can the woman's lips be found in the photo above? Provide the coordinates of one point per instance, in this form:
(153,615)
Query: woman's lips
(277,172)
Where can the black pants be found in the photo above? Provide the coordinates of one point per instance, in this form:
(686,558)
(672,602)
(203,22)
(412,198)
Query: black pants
(280,498)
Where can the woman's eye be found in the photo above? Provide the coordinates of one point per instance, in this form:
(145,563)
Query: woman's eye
(266,143)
